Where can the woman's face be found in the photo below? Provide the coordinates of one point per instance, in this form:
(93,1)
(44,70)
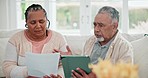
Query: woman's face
(36,22)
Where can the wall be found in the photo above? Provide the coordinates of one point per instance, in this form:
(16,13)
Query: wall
(7,15)
(3,14)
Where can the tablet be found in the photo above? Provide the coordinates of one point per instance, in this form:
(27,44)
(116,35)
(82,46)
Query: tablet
(71,62)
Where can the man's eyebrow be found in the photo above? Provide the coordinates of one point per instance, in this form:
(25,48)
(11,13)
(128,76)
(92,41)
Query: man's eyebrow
(100,23)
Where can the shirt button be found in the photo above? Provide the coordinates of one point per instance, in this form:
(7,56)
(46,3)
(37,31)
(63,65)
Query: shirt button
(111,46)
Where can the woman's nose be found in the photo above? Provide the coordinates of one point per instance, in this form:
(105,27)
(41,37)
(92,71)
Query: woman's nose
(38,24)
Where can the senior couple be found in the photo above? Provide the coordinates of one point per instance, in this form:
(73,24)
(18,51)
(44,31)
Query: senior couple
(106,43)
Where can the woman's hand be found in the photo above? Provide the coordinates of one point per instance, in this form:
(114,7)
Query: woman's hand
(69,52)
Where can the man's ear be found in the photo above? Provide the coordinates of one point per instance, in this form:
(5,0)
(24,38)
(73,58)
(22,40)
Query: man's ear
(115,25)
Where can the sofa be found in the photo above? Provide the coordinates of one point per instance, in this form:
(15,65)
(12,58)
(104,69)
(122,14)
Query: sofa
(75,42)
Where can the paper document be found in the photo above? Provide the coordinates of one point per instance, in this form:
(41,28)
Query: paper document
(40,65)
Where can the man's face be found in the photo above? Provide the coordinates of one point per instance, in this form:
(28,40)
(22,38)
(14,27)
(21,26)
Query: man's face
(104,30)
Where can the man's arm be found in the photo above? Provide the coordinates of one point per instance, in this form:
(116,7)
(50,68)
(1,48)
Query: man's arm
(83,74)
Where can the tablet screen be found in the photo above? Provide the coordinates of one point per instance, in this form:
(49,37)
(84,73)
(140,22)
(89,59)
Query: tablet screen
(71,62)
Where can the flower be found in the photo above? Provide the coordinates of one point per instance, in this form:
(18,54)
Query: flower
(105,69)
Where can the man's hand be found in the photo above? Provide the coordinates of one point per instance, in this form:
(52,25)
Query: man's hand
(69,52)
(83,74)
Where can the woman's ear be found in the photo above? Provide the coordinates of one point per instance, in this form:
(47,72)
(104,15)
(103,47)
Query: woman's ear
(48,24)
(26,25)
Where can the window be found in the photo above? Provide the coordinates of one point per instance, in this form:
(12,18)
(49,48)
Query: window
(138,16)
(67,16)
(75,17)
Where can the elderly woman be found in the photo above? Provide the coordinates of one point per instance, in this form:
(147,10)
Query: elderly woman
(37,38)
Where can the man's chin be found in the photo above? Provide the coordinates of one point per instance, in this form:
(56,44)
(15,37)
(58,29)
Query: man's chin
(101,39)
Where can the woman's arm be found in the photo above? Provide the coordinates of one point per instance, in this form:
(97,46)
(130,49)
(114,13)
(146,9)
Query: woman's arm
(10,64)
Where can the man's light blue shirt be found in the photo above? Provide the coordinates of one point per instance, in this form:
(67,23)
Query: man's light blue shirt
(99,51)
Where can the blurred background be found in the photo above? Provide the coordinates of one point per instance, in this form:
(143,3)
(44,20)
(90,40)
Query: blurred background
(75,17)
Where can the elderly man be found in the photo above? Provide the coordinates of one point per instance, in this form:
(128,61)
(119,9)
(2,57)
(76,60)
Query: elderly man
(107,42)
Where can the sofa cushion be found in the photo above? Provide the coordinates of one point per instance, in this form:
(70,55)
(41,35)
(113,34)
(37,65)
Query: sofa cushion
(8,33)
(76,43)
(141,55)
(132,37)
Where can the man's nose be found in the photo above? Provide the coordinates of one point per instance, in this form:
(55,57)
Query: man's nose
(97,28)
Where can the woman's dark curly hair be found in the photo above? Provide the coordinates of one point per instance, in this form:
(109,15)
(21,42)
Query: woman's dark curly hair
(34,7)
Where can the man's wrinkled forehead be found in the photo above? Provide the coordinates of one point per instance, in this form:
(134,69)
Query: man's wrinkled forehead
(102,17)
(104,13)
